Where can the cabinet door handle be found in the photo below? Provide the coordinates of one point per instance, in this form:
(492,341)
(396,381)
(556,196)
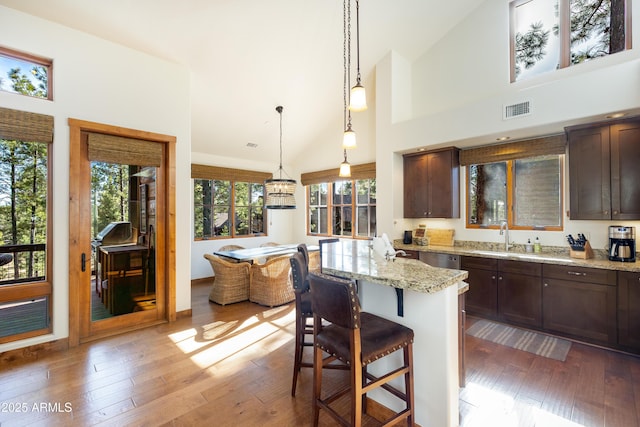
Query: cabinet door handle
(576,273)
(546,285)
(494,278)
(606,212)
(500,278)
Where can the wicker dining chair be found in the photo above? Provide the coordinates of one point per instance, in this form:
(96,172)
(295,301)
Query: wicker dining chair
(231,282)
(271,282)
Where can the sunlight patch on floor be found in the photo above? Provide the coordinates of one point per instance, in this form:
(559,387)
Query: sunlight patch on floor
(495,409)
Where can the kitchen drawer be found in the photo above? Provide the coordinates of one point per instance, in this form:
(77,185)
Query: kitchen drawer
(479,263)
(580,274)
(520,267)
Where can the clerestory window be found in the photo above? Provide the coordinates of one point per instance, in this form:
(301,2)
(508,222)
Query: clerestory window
(551,34)
(25,74)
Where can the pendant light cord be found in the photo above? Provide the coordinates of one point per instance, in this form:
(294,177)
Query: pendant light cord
(279,109)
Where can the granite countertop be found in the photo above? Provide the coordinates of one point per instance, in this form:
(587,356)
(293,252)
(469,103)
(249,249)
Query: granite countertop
(549,255)
(355,259)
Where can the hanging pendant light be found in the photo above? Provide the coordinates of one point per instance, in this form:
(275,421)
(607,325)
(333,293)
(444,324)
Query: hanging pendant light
(280,192)
(349,136)
(345,167)
(358,98)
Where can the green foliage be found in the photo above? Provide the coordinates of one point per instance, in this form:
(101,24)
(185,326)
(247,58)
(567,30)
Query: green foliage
(21,83)
(23,192)
(530,46)
(109,194)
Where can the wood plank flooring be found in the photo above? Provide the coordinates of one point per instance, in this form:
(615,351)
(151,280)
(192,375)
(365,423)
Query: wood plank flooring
(507,387)
(229,366)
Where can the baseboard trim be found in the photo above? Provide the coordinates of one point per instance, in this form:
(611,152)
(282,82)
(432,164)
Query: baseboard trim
(202,281)
(184,313)
(34,352)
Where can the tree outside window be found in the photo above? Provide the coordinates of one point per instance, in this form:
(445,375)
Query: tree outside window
(351,202)
(552,34)
(524,192)
(224,208)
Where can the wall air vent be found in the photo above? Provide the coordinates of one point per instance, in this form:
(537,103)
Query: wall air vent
(516,110)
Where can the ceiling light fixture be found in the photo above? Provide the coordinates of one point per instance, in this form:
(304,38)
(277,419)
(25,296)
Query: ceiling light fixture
(358,98)
(280,192)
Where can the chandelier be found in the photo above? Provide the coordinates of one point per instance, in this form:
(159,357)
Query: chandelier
(280,191)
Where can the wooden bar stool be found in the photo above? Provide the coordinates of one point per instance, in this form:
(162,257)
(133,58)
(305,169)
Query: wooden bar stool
(304,315)
(357,339)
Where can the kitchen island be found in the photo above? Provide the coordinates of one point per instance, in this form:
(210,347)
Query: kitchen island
(420,297)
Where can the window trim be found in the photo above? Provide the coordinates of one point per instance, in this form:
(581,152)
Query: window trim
(511,196)
(38,60)
(41,288)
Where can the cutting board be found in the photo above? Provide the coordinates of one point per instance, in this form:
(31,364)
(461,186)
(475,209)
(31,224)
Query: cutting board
(440,237)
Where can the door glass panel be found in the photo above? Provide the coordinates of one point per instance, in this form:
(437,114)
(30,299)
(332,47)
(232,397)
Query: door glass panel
(123,239)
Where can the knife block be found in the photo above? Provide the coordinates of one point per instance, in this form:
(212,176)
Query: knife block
(586,254)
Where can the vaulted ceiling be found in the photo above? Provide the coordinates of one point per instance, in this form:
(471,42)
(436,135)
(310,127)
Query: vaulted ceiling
(247,57)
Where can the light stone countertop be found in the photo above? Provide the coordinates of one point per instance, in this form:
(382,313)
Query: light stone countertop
(549,254)
(355,259)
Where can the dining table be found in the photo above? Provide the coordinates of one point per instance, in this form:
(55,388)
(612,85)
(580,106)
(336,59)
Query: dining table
(250,255)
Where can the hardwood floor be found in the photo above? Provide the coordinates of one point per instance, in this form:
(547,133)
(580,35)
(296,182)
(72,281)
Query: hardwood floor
(507,387)
(229,366)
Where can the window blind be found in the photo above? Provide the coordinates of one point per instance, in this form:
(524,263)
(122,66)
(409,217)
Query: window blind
(364,171)
(228,174)
(25,126)
(546,145)
(118,149)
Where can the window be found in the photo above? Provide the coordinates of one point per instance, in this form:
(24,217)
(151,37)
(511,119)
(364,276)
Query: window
(25,288)
(552,34)
(25,74)
(228,202)
(345,209)
(524,192)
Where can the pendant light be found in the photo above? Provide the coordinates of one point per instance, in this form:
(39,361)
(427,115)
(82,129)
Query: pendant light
(358,98)
(280,192)
(349,136)
(345,167)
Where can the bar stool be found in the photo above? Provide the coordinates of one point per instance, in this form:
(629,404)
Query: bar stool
(299,272)
(303,314)
(358,339)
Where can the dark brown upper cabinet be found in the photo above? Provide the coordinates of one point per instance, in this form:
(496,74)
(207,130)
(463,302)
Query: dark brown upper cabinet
(604,172)
(432,184)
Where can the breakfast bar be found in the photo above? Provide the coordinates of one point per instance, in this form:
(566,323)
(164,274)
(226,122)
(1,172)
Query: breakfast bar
(429,298)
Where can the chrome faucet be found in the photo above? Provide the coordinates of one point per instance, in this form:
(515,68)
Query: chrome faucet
(504,229)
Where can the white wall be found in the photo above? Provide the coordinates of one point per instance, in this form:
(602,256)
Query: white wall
(458,89)
(102,82)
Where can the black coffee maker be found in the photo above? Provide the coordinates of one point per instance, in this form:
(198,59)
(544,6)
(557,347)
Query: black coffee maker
(622,243)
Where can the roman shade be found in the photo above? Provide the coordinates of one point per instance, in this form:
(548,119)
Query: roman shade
(546,145)
(364,171)
(228,174)
(118,149)
(25,126)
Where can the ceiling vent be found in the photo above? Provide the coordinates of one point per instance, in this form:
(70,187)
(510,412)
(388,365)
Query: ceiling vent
(516,110)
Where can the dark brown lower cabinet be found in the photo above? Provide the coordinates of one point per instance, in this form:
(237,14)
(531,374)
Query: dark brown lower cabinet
(629,310)
(482,296)
(580,303)
(520,293)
